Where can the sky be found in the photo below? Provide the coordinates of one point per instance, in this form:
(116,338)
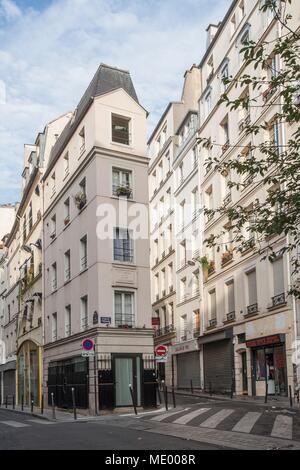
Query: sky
(50,50)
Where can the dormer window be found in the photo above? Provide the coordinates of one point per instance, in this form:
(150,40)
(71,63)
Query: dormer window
(121,129)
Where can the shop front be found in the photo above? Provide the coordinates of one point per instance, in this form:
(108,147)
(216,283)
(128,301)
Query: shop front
(218,358)
(188,364)
(7,381)
(269,366)
(29,373)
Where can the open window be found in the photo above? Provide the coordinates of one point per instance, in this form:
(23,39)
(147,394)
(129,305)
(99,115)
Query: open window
(121,129)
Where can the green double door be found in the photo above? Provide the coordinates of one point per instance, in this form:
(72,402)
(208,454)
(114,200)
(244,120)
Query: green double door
(128,371)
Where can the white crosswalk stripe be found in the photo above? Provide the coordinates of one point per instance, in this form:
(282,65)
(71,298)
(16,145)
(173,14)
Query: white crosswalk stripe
(15,424)
(190,416)
(283,427)
(168,415)
(247,422)
(216,419)
(40,421)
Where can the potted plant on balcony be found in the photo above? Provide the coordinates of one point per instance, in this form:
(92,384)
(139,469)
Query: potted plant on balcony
(80,200)
(205,263)
(227,256)
(123,191)
(67,220)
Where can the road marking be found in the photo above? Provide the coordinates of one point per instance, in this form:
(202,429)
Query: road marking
(216,419)
(190,416)
(40,421)
(247,422)
(283,427)
(15,424)
(168,415)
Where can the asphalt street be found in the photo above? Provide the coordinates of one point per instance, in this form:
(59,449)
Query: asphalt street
(20,432)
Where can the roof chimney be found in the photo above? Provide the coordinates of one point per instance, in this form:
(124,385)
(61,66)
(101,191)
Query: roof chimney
(211,32)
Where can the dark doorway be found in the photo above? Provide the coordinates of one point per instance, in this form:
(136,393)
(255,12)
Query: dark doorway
(244,373)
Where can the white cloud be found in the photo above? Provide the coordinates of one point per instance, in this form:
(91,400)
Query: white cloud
(9,9)
(47,59)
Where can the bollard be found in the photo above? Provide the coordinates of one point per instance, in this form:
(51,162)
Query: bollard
(266,397)
(6,402)
(42,404)
(74,404)
(132,398)
(53,406)
(32,404)
(22,404)
(165,389)
(210,389)
(173,395)
(14,403)
(291,396)
(192,388)
(158,392)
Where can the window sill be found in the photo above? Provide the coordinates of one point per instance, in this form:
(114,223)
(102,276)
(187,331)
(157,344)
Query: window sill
(82,271)
(67,282)
(129,146)
(124,263)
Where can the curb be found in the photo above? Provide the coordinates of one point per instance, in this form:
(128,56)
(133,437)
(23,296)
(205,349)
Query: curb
(27,413)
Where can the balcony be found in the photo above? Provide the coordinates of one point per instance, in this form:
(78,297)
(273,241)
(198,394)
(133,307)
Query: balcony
(122,191)
(252,309)
(268,93)
(125,321)
(227,199)
(211,268)
(227,256)
(83,263)
(230,317)
(278,300)
(225,147)
(212,323)
(196,332)
(166,330)
(244,123)
(125,255)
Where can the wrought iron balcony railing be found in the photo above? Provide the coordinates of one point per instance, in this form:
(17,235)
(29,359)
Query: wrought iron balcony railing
(251,309)
(278,300)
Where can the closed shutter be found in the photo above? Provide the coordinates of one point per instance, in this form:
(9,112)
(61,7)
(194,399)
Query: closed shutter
(188,368)
(218,366)
(278,276)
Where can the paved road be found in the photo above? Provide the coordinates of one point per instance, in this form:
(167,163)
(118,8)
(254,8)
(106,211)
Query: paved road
(20,432)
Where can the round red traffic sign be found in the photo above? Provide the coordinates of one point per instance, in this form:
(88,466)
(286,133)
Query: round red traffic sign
(161,351)
(88,345)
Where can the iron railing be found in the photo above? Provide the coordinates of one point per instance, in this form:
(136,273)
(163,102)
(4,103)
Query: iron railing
(251,309)
(164,331)
(279,300)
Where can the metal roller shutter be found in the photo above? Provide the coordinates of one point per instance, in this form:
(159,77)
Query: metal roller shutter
(218,366)
(188,368)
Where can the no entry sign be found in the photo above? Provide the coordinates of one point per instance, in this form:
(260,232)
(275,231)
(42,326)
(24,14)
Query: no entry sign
(161,351)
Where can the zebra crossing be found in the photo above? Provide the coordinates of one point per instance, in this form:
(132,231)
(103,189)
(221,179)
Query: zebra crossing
(259,422)
(25,424)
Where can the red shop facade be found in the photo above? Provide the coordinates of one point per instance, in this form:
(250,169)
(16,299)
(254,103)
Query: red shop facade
(268,364)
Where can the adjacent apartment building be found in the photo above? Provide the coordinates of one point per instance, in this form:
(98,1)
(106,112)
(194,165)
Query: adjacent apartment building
(174,234)
(96,262)
(246,323)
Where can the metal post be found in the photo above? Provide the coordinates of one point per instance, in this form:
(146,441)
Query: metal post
(133,400)
(158,392)
(22,403)
(266,397)
(95,380)
(210,388)
(165,390)
(74,403)
(174,398)
(192,388)
(13,402)
(32,403)
(53,406)
(42,404)
(6,401)
(291,396)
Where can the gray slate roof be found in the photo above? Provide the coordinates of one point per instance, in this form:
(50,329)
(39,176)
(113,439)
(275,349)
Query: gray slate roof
(106,79)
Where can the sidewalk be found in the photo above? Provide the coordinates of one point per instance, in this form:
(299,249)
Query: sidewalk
(60,416)
(280,402)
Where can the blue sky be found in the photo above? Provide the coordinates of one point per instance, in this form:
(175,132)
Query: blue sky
(49,51)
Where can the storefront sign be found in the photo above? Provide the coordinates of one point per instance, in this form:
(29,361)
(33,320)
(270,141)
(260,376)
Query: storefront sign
(256,343)
(189,346)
